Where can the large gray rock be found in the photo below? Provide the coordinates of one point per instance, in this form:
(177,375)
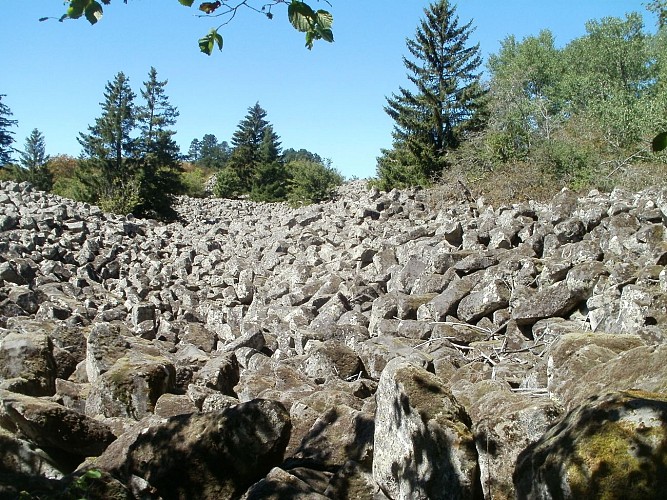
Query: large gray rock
(423,445)
(50,425)
(213,455)
(27,363)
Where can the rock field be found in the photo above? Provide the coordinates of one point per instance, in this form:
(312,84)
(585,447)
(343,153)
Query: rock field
(377,346)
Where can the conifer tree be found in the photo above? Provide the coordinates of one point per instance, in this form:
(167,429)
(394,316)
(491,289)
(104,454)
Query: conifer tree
(160,165)
(270,175)
(431,119)
(247,146)
(34,161)
(6,139)
(109,146)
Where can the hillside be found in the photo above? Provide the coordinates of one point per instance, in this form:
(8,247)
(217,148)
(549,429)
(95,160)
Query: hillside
(379,345)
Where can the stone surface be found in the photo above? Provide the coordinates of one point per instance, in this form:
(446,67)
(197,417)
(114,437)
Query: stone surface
(423,447)
(610,447)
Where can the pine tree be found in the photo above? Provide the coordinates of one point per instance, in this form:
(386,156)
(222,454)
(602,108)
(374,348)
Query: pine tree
(213,154)
(109,145)
(6,139)
(194,151)
(247,142)
(430,120)
(34,161)
(159,153)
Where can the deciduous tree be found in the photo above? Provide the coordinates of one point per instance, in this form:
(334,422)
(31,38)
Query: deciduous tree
(315,24)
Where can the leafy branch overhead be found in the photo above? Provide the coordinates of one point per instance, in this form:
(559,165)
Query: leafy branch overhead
(316,24)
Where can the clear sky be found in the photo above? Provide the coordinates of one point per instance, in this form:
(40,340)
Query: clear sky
(329,100)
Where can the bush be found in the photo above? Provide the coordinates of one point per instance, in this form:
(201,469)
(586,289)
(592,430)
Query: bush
(194,179)
(228,184)
(396,168)
(311,182)
(122,198)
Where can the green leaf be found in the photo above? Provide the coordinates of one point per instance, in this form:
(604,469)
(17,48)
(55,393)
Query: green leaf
(76,8)
(301,16)
(325,34)
(324,19)
(208,43)
(659,142)
(187,3)
(93,12)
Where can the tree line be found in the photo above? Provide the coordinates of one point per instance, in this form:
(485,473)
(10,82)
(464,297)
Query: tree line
(130,162)
(582,115)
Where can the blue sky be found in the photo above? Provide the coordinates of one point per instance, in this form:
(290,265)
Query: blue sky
(329,100)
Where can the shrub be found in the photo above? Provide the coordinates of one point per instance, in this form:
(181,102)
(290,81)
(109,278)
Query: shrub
(228,184)
(311,182)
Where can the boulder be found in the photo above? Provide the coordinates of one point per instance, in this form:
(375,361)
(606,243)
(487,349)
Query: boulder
(423,446)
(609,447)
(213,455)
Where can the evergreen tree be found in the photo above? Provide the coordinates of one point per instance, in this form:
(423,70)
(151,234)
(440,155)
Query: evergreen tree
(247,142)
(34,161)
(109,145)
(6,139)
(194,151)
(270,176)
(160,166)
(444,70)
(213,154)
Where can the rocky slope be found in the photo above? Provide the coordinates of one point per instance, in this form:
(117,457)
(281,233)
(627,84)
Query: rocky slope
(371,347)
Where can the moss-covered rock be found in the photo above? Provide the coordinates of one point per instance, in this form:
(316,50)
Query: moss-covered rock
(613,446)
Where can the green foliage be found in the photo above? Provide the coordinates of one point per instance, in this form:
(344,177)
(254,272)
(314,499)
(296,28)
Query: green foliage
(193,179)
(228,184)
(397,168)
(315,24)
(432,119)
(254,143)
(126,172)
(6,139)
(34,162)
(311,182)
(122,197)
(582,115)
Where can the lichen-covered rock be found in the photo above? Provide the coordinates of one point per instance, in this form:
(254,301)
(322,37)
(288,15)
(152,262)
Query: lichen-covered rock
(423,447)
(131,386)
(28,356)
(573,354)
(504,424)
(609,447)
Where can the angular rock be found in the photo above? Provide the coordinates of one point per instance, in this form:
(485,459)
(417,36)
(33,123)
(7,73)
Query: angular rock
(29,357)
(423,445)
(51,425)
(225,451)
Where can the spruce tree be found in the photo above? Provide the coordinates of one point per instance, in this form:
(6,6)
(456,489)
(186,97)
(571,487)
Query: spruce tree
(6,139)
(212,154)
(430,120)
(247,145)
(158,152)
(109,146)
(270,175)
(34,162)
